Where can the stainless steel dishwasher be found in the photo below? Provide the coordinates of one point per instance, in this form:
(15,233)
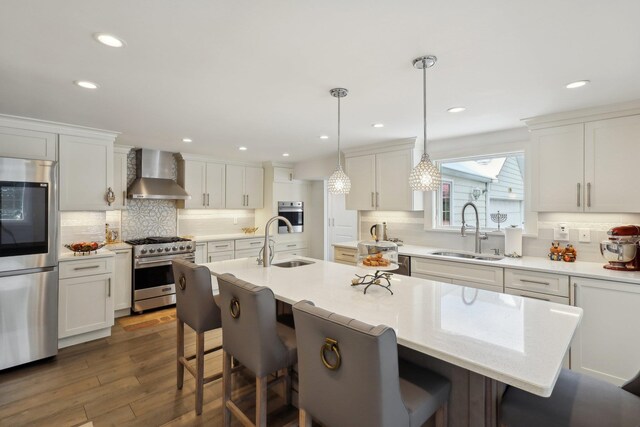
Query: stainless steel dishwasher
(404,263)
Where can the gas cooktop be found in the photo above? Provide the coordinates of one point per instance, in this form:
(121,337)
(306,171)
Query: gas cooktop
(156,240)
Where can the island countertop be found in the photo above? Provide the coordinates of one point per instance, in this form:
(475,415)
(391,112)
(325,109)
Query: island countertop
(514,340)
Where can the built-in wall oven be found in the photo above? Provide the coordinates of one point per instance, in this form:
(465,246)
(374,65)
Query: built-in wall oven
(153,284)
(28,261)
(294,212)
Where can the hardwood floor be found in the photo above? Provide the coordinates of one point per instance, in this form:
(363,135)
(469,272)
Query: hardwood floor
(128,379)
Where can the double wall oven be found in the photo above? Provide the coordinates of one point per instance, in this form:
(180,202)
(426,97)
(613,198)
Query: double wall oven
(28,261)
(153,284)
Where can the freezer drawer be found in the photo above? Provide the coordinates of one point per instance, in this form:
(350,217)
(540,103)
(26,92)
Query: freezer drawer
(28,316)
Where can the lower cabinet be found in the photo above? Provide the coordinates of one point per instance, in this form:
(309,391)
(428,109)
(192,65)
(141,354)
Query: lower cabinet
(220,250)
(458,273)
(86,298)
(537,285)
(606,344)
(122,282)
(345,255)
(201,253)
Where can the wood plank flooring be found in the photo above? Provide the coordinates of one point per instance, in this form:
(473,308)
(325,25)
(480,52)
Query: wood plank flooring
(127,379)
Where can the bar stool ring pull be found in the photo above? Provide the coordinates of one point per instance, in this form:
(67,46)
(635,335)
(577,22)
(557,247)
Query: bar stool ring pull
(332,346)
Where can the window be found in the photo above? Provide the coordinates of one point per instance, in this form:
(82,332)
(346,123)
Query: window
(493,184)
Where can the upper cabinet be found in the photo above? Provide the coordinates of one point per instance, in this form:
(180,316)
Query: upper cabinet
(585,167)
(244,187)
(86,173)
(281,174)
(380,178)
(205,182)
(27,144)
(120,155)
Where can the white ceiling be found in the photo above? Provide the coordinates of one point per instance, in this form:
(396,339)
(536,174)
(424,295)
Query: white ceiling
(258,73)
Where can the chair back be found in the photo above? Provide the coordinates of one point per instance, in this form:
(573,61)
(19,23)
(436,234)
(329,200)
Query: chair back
(249,328)
(347,369)
(195,304)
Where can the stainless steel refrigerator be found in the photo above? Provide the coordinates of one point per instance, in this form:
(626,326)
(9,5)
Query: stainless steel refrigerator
(28,261)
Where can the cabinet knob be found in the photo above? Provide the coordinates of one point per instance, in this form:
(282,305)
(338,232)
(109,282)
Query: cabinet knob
(111,197)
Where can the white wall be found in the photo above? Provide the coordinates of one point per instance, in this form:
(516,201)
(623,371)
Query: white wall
(316,169)
(315,219)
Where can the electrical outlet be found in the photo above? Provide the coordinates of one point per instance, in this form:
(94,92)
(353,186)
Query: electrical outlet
(235,220)
(584,235)
(561,232)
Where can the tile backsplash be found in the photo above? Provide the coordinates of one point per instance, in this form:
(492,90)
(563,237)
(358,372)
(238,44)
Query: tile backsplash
(213,221)
(81,226)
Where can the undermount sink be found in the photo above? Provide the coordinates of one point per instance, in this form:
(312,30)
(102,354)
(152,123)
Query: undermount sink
(468,256)
(292,263)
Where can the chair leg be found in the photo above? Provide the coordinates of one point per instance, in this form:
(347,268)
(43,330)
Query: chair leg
(287,385)
(226,387)
(305,418)
(261,401)
(442,415)
(180,353)
(199,371)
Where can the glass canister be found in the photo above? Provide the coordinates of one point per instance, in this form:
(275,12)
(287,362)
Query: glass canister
(381,255)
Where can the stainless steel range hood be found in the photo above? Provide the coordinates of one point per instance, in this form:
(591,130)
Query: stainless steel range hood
(153,177)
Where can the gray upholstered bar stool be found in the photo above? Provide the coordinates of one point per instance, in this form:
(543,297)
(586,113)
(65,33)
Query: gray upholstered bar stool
(195,306)
(251,335)
(349,375)
(577,400)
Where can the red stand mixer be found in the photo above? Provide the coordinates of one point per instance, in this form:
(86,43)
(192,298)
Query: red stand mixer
(622,249)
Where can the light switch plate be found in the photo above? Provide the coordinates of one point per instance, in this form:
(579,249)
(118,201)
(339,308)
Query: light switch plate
(584,235)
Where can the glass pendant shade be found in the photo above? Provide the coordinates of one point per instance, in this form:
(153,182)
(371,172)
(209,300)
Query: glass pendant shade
(339,182)
(425,176)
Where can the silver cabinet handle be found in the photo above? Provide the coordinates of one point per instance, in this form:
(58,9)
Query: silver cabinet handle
(377,199)
(290,177)
(222,246)
(588,194)
(575,294)
(124,198)
(87,268)
(349,255)
(534,282)
(207,199)
(255,243)
(578,194)
(247,200)
(203,199)
(372,203)
(109,294)
(209,258)
(291,246)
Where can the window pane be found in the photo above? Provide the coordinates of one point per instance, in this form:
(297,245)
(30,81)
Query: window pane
(494,184)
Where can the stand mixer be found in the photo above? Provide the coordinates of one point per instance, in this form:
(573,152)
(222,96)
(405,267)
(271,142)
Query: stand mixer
(622,248)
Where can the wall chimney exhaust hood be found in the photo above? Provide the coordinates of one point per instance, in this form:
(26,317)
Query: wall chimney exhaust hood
(153,177)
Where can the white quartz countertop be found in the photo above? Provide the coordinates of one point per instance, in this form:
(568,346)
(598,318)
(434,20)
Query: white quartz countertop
(578,268)
(518,341)
(118,246)
(218,237)
(67,255)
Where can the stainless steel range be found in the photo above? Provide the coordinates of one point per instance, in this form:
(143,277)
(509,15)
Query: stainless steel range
(153,284)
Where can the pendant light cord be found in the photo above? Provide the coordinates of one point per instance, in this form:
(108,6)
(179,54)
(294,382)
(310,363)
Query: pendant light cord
(424,102)
(339,162)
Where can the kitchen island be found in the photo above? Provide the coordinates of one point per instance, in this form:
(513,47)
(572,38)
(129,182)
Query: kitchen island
(477,338)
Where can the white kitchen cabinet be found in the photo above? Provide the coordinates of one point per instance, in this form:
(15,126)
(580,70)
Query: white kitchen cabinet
(120,155)
(586,167)
(244,187)
(220,250)
(281,174)
(606,343)
(86,173)
(380,181)
(201,252)
(535,282)
(122,281)
(205,183)
(465,274)
(86,297)
(27,144)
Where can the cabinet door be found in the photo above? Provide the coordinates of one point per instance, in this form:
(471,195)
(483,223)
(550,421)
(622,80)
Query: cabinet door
(27,144)
(86,173)
(234,187)
(254,187)
(282,174)
(362,173)
(215,185)
(558,169)
(122,279)
(201,253)
(85,305)
(120,180)
(611,168)
(606,343)
(194,184)
(220,256)
(392,181)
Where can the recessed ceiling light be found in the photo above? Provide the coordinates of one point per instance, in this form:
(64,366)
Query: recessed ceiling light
(324,137)
(378,125)
(86,84)
(187,140)
(579,83)
(285,154)
(242,148)
(109,40)
(456,109)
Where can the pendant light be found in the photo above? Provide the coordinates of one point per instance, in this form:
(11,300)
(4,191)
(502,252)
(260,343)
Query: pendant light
(425,176)
(339,182)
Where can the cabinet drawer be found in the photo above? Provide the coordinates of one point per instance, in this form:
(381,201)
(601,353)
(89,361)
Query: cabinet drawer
(221,246)
(536,295)
(459,271)
(247,253)
(290,246)
(345,255)
(533,281)
(431,277)
(249,244)
(86,267)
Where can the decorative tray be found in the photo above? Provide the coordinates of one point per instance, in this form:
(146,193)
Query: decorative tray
(84,248)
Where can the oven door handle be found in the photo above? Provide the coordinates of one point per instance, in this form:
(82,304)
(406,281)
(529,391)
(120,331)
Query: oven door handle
(158,263)
(290,210)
